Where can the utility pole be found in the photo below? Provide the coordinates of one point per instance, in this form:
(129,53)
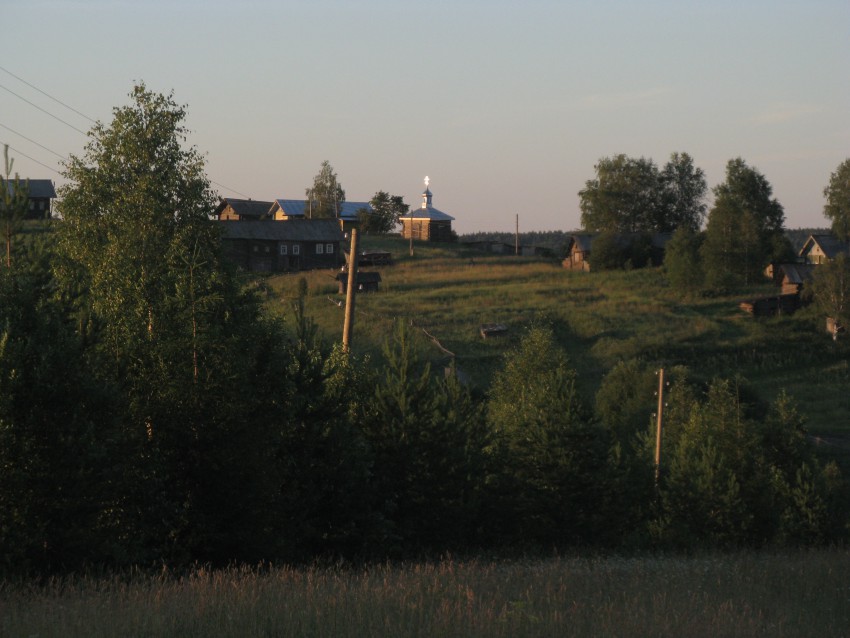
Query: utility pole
(516,237)
(351,288)
(658,427)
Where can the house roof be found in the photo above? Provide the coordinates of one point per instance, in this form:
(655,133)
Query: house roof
(294,230)
(584,241)
(299,208)
(797,273)
(431,214)
(829,244)
(38,188)
(244,207)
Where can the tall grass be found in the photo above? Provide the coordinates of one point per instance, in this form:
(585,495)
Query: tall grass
(792,594)
(600,318)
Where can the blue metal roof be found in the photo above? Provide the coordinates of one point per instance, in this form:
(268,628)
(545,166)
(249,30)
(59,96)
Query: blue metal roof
(299,208)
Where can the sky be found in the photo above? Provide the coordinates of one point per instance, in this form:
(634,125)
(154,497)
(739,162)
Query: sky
(505,105)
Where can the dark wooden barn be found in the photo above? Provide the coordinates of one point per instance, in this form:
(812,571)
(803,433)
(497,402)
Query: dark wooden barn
(271,246)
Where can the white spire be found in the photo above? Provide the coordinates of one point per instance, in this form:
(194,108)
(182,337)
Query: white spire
(426,196)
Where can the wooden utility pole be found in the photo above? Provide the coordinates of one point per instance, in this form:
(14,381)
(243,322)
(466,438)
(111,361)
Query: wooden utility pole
(350,292)
(658,427)
(516,237)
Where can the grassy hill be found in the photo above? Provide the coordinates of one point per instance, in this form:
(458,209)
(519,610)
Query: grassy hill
(601,318)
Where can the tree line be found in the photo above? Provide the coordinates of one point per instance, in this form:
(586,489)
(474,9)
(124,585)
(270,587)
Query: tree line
(152,412)
(725,247)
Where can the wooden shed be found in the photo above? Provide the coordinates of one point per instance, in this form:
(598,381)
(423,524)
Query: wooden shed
(366,282)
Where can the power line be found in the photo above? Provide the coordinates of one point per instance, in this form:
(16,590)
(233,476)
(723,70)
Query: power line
(232,190)
(58,101)
(30,158)
(42,110)
(62,157)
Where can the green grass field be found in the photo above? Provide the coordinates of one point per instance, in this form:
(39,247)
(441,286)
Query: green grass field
(600,318)
(747,594)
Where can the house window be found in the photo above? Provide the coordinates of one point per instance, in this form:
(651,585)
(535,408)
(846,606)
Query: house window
(296,249)
(329,248)
(267,249)
(256,249)
(283,249)
(320,249)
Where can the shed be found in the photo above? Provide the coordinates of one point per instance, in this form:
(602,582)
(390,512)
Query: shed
(792,277)
(366,282)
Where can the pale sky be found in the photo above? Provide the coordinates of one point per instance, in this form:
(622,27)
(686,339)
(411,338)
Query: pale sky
(505,105)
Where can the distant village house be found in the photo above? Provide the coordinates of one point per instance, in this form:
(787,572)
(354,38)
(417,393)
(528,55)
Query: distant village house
(270,246)
(231,209)
(41,194)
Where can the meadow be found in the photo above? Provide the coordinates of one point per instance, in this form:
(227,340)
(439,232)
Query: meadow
(796,594)
(449,291)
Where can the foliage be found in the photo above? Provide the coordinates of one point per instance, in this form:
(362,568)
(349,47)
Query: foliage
(631,195)
(837,207)
(551,456)
(384,216)
(13,203)
(682,260)
(734,474)
(56,436)
(139,257)
(326,197)
(428,439)
(625,196)
(830,290)
(741,235)
(684,190)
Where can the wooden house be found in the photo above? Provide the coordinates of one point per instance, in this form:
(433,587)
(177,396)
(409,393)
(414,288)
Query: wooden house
(427,223)
(231,209)
(820,249)
(578,252)
(288,209)
(270,246)
(580,246)
(792,277)
(365,282)
(41,194)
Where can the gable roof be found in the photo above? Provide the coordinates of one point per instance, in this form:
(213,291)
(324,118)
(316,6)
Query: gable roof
(299,208)
(830,245)
(584,241)
(38,188)
(797,273)
(319,230)
(244,207)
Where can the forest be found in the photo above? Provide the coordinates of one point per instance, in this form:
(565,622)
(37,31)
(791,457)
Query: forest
(155,408)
